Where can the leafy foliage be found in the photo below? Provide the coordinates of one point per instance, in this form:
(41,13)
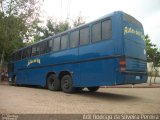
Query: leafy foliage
(54,27)
(17,18)
(78,21)
(153,55)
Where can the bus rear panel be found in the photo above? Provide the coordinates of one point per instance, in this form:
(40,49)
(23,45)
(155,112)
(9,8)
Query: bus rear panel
(133,65)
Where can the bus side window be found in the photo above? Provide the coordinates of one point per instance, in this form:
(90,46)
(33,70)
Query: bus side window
(50,45)
(38,49)
(106,29)
(18,55)
(64,42)
(34,50)
(43,47)
(96,32)
(28,52)
(84,36)
(74,39)
(56,46)
(24,53)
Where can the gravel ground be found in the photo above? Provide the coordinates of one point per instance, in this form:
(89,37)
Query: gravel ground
(30,100)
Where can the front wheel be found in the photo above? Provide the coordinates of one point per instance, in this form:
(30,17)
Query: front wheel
(93,89)
(66,84)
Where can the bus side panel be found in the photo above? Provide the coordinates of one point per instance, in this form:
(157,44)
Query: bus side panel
(20,72)
(97,64)
(97,73)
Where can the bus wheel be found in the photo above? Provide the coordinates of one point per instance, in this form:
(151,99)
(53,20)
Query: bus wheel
(93,89)
(66,84)
(53,83)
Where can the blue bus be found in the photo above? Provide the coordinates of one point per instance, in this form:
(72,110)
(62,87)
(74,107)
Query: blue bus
(108,51)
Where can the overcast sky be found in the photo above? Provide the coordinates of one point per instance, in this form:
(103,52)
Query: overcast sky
(146,11)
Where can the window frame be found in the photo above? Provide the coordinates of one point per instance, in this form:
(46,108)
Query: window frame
(88,36)
(106,19)
(52,45)
(18,55)
(97,22)
(37,52)
(101,21)
(24,53)
(44,45)
(66,34)
(59,43)
(70,38)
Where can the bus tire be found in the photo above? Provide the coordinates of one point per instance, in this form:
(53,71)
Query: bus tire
(53,83)
(66,84)
(93,89)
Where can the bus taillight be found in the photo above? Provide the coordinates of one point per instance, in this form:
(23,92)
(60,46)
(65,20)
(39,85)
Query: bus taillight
(122,64)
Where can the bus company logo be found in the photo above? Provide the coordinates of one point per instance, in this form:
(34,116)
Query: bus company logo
(37,60)
(132,31)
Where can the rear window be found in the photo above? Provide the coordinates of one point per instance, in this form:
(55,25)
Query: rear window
(132,20)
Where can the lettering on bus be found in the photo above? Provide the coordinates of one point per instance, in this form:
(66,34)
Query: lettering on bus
(36,60)
(132,31)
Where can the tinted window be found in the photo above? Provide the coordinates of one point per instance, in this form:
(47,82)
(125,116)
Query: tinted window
(24,53)
(74,39)
(64,42)
(106,29)
(84,36)
(43,47)
(56,44)
(132,20)
(50,44)
(35,50)
(28,52)
(96,32)
(38,49)
(18,55)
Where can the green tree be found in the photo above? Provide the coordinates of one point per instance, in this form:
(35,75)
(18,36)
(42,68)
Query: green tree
(54,27)
(153,55)
(17,20)
(51,28)
(79,20)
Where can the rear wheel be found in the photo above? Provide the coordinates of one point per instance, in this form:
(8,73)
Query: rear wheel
(66,84)
(93,89)
(53,83)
